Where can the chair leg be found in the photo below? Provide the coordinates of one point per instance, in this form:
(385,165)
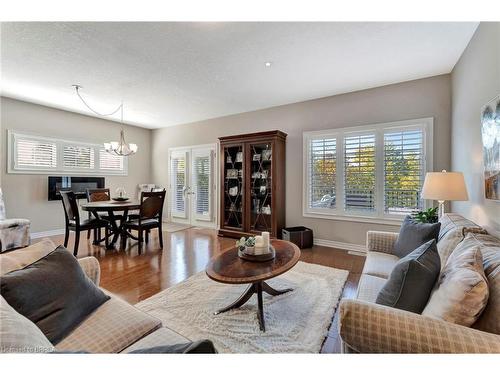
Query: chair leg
(66,237)
(147,236)
(106,237)
(77,242)
(88,234)
(160,236)
(140,240)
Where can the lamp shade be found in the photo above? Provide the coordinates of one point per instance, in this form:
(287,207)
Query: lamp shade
(445,186)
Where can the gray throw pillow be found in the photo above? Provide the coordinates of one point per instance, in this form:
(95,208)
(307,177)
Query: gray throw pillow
(53,292)
(412,279)
(413,234)
(197,347)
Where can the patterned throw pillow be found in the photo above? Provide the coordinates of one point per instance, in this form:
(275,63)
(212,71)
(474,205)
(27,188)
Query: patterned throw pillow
(461,293)
(18,334)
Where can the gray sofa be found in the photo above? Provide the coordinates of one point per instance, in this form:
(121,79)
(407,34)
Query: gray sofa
(115,327)
(366,327)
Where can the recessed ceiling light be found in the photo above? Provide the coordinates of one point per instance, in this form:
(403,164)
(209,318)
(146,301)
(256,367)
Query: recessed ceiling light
(268,64)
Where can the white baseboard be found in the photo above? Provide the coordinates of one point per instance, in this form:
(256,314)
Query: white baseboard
(352,248)
(49,233)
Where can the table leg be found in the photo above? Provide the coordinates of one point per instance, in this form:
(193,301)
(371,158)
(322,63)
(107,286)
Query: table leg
(240,301)
(114,229)
(260,311)
(273,292)
(123,231)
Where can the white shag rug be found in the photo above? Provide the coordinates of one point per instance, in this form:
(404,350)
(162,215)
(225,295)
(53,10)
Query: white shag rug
(296,322)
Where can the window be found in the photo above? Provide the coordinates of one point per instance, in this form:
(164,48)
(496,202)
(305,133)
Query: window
(178,181)
(35,154)
(78,157)
(371,172)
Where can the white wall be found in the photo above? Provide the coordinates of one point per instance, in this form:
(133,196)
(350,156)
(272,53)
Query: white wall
(428,97)
(26,195)
(475,81)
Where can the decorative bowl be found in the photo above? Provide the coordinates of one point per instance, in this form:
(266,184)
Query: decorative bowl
(120,199)
(242,253)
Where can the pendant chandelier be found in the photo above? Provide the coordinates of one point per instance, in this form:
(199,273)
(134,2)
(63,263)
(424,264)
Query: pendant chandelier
(120,148)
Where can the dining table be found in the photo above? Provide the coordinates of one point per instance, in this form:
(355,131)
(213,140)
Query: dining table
(112,207)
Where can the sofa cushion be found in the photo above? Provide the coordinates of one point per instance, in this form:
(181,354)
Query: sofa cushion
(453,230)
(461,292)
(114,326)
(379,264)
(54,293)
(412,279)
(162,336)
(490,249)
(414,234)
(369,287)
(17,259)
(198,347)
(19,334)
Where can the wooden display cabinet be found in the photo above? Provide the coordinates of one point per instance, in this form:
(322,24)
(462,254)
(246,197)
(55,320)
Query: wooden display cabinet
(252,172)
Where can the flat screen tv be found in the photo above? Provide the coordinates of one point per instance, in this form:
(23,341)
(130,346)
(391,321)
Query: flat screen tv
(79,185)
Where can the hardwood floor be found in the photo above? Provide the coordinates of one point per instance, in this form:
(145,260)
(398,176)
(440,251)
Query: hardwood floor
(135,276)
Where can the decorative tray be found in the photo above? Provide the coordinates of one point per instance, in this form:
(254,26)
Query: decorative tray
(120,199)
(257,258)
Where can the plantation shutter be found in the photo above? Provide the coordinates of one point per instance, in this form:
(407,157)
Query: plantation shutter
(35,153)
(359,172)
(178,184)
(202,169)
(322,173)
(110,162)
(78,157)
(403,170)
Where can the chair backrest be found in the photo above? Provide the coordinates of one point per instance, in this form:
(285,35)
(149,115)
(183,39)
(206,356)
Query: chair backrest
(98,195)
(70,205)
(152,204)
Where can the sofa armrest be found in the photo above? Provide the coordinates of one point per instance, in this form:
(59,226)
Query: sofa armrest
(90,266)
(370,328)
(383,242)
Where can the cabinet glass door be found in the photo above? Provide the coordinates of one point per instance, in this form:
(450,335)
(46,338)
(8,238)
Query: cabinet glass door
(233,187)
(261,186)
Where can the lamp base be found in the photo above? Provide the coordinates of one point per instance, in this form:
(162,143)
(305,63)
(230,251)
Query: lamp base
(440,209)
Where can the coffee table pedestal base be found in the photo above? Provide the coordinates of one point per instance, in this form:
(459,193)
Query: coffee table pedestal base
(255,288)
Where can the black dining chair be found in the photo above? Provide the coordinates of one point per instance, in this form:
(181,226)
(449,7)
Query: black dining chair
(150,216)
(77,225)
(99,195)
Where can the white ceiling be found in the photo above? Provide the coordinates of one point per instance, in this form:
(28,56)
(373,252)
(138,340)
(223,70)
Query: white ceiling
(174,73)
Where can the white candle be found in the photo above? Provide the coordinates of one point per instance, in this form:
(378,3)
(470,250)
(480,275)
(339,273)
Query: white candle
(259,241)
(265,237)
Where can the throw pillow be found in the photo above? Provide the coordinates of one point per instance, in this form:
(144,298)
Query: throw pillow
(461,293)
(413,234)
(54,293)
(198,347)
(18,334)
(412,279)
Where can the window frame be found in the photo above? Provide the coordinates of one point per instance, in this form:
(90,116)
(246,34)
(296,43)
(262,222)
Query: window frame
(378,215)
(60,143)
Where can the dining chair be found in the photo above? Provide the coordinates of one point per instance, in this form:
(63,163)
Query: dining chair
(99,195)
(75,223)
(150,216)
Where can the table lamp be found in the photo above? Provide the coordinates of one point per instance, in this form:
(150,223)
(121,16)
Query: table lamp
(444,186)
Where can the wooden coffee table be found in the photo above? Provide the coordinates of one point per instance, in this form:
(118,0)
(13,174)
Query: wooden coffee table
(228,268)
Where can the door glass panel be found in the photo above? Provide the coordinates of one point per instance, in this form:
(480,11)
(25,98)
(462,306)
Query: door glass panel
(178,184)
(261,186)
(233,186)
(202,169)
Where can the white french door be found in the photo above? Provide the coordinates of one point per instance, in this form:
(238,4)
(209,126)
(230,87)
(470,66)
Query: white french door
(192,188)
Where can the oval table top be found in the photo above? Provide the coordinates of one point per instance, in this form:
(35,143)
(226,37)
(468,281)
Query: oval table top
(111,205)
(229,268)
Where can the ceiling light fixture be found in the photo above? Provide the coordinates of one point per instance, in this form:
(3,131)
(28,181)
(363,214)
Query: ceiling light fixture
(121,148)
(268,64)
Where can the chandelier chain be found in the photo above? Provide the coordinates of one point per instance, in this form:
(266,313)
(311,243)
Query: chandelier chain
(120,107)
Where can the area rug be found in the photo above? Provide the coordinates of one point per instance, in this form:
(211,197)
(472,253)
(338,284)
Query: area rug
(296,322)
(174,227)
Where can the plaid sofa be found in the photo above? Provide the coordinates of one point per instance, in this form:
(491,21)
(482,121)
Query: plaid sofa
(115,327)
(366,327)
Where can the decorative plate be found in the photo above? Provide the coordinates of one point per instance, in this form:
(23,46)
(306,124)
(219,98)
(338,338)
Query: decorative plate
(120,199)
